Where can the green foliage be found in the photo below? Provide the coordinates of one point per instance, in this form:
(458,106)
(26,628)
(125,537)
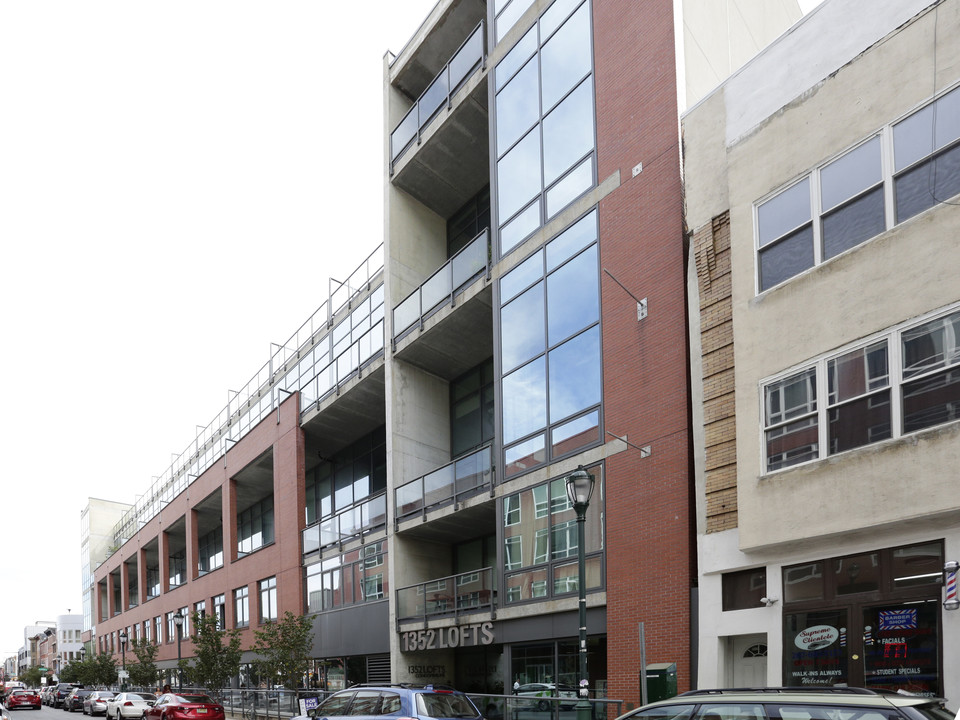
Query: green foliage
(104,670)
(31,676)
(144,672)
(284,649)
(216,653)
(70,673)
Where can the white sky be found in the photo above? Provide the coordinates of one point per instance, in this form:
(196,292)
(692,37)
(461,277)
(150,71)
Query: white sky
(178,180)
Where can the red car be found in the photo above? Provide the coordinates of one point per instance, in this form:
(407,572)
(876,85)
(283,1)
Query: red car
(171,706)
(22,698)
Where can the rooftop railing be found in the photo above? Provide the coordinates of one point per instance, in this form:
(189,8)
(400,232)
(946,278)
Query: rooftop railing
(443,286)
(452,482)
(439,93)
(248,406)
(469,592)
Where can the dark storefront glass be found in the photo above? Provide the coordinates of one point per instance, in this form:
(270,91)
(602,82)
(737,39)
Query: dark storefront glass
(900,647)
(815,648)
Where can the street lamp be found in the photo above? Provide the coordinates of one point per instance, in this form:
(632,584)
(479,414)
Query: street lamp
(123,652)
(579,489)
(178,621)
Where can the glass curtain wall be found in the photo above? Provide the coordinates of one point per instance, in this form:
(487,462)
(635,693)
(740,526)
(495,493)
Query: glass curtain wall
(545,128)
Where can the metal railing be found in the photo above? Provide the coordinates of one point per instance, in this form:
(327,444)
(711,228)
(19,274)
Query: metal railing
(464,62)
(469,592)
(353,522)
(443,285)
(520,707)
(248,406)
(449,483)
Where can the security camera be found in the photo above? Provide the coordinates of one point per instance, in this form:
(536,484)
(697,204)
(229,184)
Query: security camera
(769,602)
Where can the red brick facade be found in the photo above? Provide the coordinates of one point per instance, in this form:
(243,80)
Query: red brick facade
(650,552)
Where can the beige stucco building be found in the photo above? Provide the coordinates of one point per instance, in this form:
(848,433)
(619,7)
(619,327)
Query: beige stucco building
(821,186)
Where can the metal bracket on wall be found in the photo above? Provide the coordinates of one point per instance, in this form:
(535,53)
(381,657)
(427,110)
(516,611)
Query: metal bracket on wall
(641,304)
(644,451)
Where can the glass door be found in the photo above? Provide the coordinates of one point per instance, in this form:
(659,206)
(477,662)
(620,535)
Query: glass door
(900,647)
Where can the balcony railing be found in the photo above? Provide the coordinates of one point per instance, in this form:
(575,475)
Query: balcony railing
(461,66)
(443,285)
(354,522)
(343,367)
(469,592)
(451,483)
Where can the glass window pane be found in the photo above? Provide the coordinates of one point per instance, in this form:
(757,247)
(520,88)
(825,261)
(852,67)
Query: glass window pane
(934,344)
(575,434)
(555,15)
(521,328)
(791,397)
(913,138)
(789,257)
(929,183)
(525,400)
(518,175)
(521,277)
(857,573)
(743,589)
(508,18)
(575,375)
(851,174)
(853,223)
(917,565)
(516,57)
(857,372)
(525,455)
(946,122)
(573,239)
(517,106)
(568,132)
(931,401)
(803,582)
(792,444)
(519,228)
(570,188)
(785,212)
(566,57)
(859,422)
(573,296)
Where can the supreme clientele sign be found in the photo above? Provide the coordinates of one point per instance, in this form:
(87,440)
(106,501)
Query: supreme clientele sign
(445,638)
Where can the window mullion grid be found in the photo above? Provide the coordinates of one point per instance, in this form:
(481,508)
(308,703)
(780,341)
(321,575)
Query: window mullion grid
(895,351)
(886,160)
(816,218)
(823,409)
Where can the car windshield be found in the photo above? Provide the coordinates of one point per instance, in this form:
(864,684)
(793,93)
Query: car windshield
(445,706)
(931,711)
(141,696)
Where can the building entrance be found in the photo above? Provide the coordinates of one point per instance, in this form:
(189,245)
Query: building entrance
(874,621)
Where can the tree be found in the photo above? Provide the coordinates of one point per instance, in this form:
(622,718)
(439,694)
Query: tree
(70,673)
(103,670)
(144,672)
(31,676)
(216,652)
(284,648)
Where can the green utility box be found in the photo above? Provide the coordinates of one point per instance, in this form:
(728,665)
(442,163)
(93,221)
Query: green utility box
(661,681)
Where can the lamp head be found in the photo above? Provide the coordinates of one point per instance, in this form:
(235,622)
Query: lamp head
(579,487)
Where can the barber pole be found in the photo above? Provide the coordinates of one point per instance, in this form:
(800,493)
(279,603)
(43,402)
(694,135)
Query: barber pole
(951,600)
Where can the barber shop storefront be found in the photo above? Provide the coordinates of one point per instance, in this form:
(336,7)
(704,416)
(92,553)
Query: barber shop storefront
(869,620)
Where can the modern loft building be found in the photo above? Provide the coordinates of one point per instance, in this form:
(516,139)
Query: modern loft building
(822,185)
(397,468)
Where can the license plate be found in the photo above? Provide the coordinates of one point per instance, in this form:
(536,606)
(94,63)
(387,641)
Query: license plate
(202,711)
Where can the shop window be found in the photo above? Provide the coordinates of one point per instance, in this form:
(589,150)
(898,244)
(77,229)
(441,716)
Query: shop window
(742,590)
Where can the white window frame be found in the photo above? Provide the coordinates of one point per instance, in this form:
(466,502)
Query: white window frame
(885,133)
(893,337)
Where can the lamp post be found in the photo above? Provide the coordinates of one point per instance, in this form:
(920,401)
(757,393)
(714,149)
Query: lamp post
(178,621)
(579,489)
(123,655)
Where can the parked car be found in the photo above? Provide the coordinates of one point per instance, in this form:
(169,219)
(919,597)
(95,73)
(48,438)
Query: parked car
(188,706)
(60,693)
(541,691)
(96,702)
(74,701)
(129,705)
(841,703)
(46,693)
(427,702)
(21,698)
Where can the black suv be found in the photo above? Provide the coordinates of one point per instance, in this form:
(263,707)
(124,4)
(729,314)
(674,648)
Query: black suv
(60,692)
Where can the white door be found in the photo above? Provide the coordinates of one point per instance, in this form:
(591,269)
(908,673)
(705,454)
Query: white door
(748,664)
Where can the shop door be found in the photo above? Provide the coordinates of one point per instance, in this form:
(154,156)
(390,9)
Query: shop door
(891,646)
(749,662)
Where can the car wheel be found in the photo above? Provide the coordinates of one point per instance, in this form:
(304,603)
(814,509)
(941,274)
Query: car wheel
(543,706)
